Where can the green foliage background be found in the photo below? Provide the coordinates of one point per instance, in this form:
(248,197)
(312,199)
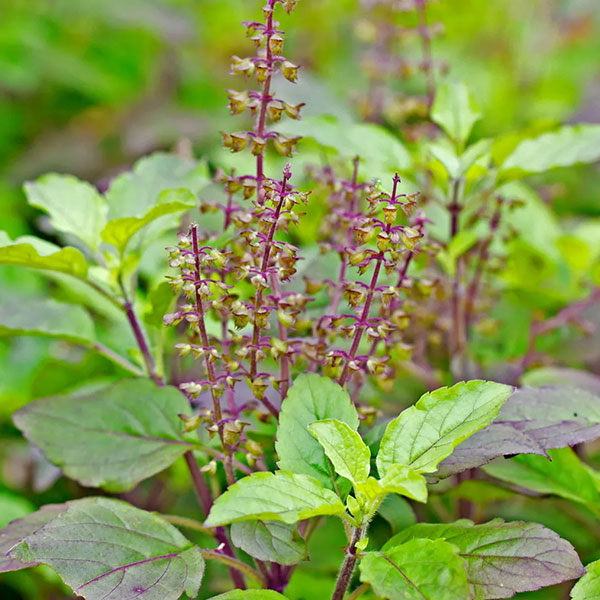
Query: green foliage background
(87,87)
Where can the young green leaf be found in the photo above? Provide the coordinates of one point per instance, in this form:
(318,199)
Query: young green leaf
(32,252)
(134,193)
(427,432)
(344,448)
(119,232)
(250,595)
(106,549)
(455,110)
(563,475)
(75,207)
(271,541)
(18,529)
(130,431)
(502,558)
(400,479)
(311,398)
(279,496)
(568,146)
(417,570)
(46,318)
(588,587)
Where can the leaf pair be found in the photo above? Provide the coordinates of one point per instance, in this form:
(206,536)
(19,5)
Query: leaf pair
(309,436)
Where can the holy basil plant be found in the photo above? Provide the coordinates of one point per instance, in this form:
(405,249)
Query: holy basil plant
(105,548)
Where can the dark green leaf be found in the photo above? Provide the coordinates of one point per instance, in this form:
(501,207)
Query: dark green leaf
(111,438)
(397,512)
(46,318)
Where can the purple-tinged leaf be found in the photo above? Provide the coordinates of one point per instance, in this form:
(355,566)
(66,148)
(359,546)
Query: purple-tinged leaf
(18,529)
(503,559)
(561,376)
(112,438)
(106,549)
(531,421)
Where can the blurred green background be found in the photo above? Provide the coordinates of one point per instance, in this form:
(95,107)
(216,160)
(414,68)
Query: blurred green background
(89,86)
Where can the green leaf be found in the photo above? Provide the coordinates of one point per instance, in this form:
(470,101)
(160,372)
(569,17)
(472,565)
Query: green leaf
(250,595)
(271,541)
(119,232)
(13,506)
(104,548)
(397,512)
(113,437)
(502,558)
(18,529)
(28,251)
(460,243)
(563,475)
(568,146)
(75,207)
(455,110)
(279,496)
(311,398)
(426,433)
(400,479)
(588,587)
(46,318)
(134,193)
(381,151)
(417,570)
(344,448)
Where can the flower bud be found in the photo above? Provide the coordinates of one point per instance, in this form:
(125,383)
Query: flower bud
(390,211)
(383,241)
(261,318)
(238,101)
(275,110)
(262,71)
(293,112)
(257,145)
(285,145)
(285,318)
(242,66)
(290,71)
(276,44)
(410,237)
